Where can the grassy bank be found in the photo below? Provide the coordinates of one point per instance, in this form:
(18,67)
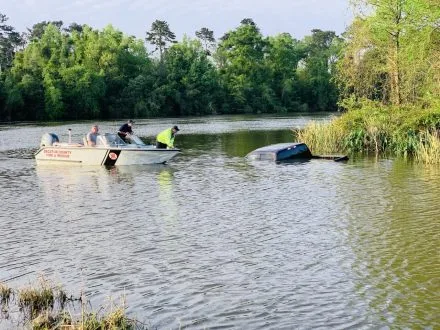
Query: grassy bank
(46,306)
(370,127)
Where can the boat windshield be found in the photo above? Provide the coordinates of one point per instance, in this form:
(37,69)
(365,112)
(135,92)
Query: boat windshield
(109,139)
(133,139)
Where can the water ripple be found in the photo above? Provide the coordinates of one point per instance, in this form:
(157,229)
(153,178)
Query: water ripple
(212,241)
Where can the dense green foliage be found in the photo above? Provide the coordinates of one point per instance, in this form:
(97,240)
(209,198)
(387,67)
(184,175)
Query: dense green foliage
(389,78)
(372,127)
(392,54)
(78,72)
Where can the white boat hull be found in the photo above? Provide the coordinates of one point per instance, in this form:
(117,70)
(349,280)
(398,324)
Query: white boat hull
(77,154)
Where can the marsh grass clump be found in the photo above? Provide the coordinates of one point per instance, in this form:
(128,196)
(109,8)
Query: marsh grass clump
(5,297)
(5,294)
(43,298)
(46,306)
(111,316)
(116,319)
(321,138)
(104,320)
(61,297)
(428,151)
(60,320)
(370,127)
(33,301)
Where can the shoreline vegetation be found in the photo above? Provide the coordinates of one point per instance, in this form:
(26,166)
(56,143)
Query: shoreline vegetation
(388,78)
(372,128)
(44,306)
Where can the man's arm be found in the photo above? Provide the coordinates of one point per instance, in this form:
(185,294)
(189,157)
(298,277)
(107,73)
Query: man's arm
(171,142)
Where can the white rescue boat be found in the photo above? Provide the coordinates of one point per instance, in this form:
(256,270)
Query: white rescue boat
(110,150)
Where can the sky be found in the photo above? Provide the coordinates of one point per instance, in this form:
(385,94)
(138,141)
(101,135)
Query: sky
(134,17)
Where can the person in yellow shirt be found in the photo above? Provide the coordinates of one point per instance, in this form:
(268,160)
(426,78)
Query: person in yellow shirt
(165,139)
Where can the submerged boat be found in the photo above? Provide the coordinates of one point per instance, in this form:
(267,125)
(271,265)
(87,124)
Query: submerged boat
(110,150)
(288,151)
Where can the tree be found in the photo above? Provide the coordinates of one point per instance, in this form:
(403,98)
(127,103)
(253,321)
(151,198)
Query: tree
(82,91)
(322,49)
(392,52)
(113,57)
(77,75)
(10,41)
(74,27)
(248,21)
(283,55)
(159,35)
(37,30)
(241,58)
(192,81)
(4,29)
(207,37)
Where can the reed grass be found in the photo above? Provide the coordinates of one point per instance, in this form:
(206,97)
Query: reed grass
(39,299)
(428,151)
(43,307)
(5,294)
(321,138)
(373,128)
(115,319)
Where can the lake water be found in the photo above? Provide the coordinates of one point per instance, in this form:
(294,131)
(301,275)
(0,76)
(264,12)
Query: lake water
(213,241)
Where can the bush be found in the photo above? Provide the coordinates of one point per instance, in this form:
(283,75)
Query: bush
(368,126)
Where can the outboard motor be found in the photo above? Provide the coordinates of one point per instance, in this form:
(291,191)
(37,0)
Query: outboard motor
(48,139)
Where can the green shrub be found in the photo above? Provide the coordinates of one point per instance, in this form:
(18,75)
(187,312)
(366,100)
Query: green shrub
(371,127)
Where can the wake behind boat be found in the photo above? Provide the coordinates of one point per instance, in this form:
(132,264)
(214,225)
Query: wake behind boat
(110,150)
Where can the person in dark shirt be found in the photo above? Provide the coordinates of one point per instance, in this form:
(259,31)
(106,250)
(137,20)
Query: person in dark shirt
(126,130)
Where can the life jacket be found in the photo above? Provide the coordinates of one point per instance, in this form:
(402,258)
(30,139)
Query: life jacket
(166,137)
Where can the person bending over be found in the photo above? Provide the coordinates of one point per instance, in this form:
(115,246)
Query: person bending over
(125,131)
(165,139)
